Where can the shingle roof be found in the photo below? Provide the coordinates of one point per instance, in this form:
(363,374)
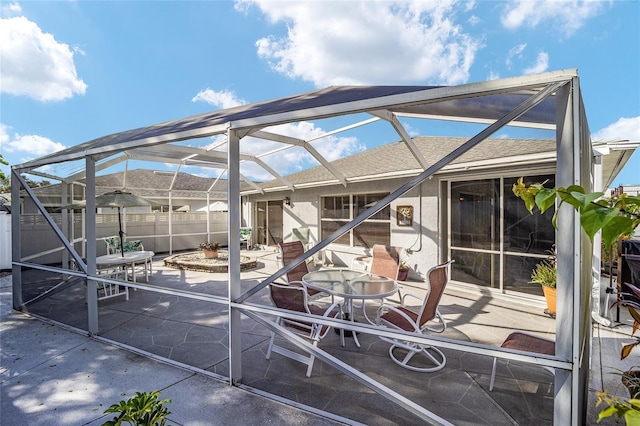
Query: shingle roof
(395,158)
(151,184)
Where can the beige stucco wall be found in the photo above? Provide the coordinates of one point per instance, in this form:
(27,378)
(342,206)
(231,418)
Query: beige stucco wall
(420,241)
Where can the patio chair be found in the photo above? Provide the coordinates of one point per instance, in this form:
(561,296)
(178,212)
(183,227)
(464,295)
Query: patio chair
(403,318)
(109,290)
(245,236)
(385,261)
(290,251)
(113,245)
(295,298)
(522,341)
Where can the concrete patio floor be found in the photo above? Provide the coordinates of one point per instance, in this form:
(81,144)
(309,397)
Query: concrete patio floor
(194,332)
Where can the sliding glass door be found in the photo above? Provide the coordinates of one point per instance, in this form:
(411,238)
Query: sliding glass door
(268,219)
(493,239)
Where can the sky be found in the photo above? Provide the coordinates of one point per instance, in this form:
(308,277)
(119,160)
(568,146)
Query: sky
(73,71)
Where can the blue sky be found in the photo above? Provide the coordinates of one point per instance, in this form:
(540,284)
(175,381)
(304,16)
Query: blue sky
(72,71)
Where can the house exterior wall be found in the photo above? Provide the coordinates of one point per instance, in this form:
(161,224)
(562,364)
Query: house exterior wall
(424,242)
(420,240)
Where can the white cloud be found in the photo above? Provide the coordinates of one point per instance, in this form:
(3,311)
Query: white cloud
(33,145)
(493,75)
(286,161)
(11,9)
(541,64)
(34,64)
(222,99)
(515,52)
(340,43)
(623,129)
(296,159)
(566,16)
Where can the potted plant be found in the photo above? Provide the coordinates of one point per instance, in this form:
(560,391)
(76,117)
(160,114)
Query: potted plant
(545,274)
(209,249)
(403,271)
(142,409)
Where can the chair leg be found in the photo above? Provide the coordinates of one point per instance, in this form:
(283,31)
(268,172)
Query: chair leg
(312,358)
(272,339)
(434,355)
(441,327)
(493,374)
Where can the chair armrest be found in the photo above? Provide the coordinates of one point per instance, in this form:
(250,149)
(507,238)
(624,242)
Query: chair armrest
(331,308)
(409,295)
(385,307)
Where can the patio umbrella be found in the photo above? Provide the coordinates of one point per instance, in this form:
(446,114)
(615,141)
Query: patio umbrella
(117,199)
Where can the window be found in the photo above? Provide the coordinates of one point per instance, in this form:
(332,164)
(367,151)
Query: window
(340,210)
(494,240)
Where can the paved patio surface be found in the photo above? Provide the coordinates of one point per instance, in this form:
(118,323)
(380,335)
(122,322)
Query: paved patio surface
(194,332)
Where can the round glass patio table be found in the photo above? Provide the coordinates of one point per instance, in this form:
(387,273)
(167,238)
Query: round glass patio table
(351,284)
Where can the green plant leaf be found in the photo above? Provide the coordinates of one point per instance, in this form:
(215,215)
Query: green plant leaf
(519,190)
(585,199)
(566,196)
(545,199)
(616,228)
(595,218)
(607,412)
(632,417)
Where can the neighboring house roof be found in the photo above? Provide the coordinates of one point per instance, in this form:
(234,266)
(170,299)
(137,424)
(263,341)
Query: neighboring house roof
(146,183)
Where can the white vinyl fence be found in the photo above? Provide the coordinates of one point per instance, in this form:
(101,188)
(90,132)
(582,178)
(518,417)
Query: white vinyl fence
(5,240)
(185,231)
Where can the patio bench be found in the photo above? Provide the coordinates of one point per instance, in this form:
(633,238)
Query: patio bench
(521,341)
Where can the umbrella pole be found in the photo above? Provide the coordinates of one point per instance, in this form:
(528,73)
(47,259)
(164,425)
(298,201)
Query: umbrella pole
(121,233)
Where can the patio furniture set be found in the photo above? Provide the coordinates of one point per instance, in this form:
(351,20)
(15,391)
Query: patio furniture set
(304,287)
(123,261)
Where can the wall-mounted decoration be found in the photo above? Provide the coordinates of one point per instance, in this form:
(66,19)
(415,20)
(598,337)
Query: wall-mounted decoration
(404,215)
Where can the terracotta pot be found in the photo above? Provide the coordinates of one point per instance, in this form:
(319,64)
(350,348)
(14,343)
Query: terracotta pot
(210,254)
(550,295)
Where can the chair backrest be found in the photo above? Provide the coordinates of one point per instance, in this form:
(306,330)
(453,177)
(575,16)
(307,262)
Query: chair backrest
(386,261)
(133,245)
(437,278)
(302,235)
(113,244)
(290,251)
(245,233)
(293,298)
